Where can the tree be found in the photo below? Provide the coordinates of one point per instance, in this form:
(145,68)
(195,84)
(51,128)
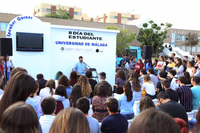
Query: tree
(123,38)
(191,40)
(60,13)
(153,34)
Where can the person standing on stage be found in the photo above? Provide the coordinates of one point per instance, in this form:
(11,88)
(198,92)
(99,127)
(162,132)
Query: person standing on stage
(9,65)
(80,67)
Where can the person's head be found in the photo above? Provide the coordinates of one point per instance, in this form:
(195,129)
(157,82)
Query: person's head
(18,69)
(139,61)
(195,81)
(51,84)
(185,58)
(150,71)
(84,83)
(58,74)
(170,60)
(75,94)
(88,74)
(80,58)
(7,58)
(48,105)
(178,62)
(18,88)
(197,57)
(83,104)
(145,103)
(155,61)
(163,97)
(128,91)
(190,64)
(112,105)
(172,73)
(61,91)
(70,120)
(20,118)
(102,91)
(73,78)
(162,75)
(182,80)
(153,121)
(187,76)
(36,90)
(40,76)
(184,62)
(121,74)
(161,58)
(146,79)
(133,59)
(173,55)
(102,76)
(133,78)
(166,84)
(143,72)
(63,80)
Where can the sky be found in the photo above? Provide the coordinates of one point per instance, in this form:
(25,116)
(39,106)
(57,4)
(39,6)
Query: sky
(183,14)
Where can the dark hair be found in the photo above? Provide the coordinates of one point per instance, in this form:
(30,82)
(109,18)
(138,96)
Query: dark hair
(172,59)
(48,105)
(83,104)
(173,72)
(143,71)
(155,64)
(163,95)
(18,69)
(18,88)
(73,78)
(58,74)
(103,75)
(187,76)
(150,70)
(196,79)
(174,54)
(20,118)
(61,91)
(40,76)
(102,91)
(145,103)
(70,120)
(63,80)
(133,78)
(191,63)
(140,61)
(112,104)
(51,84)
(162,57)
(163,74)
(80,57)
(182,79)
(149,63)
(179,62)
(121,74)
(75,95)
(128,91)
(186,56)
(166,83)
(88,74)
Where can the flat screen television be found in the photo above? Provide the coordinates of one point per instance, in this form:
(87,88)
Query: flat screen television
(29,41)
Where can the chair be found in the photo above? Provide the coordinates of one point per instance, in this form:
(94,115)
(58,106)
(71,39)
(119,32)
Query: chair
(195,113)
(90,111)
(190,114)
(136,107)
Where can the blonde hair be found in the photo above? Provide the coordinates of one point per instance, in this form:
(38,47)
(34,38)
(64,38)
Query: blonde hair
(146,79)
(86,88)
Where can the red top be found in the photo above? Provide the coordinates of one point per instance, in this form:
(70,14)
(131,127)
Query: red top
(2,69)
(138,67)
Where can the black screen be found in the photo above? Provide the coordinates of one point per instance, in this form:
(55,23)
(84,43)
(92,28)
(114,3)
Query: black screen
(29,41)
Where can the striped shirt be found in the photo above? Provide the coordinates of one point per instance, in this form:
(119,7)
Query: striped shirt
(185,96)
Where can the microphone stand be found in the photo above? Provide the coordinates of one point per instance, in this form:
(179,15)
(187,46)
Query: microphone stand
(97,77)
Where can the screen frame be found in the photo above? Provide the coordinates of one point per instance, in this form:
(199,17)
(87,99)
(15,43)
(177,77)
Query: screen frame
(29,48)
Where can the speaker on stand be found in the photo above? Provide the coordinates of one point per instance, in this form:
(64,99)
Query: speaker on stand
(147,52)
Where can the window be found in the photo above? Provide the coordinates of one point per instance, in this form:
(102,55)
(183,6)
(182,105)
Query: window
(193,49)
(128,18)
(3,26)
(132,52)
(188,49)
(198,48)
(75,13)
(178,38)
(183,48)
(48,10)
(183,38)
(199,38)
(45,10)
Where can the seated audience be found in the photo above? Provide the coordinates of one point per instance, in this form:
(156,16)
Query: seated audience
(185,94)
(75,95)
(135,85)
(161,65)
(195,92)
(119,81)
(148,65)
(58,74)
(84,105)
(49,107)
(162,76)
(61,98)
(153,77)
(188,79)
(41,81)
(73,79)
(105,83)
(153,121)
(85,86)
(92,82)
(126,101)
(132,63)
(197,71)
(63,80)
(18,69)
(178,67)
(70,120)
(172,94)
(98,103)
(116,122)
(142,74)
(174,109)
(173,81)
(49,89)
(20,118)
(190,68)
(148,87)
(146,103)
(171,64)
(138,66)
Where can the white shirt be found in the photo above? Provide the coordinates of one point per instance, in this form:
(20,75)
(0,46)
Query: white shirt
(161,64)
(45,92)
(180,69)
(174,85)
(46,122)
(149,88)
(94,125)
(154,79)
(64,101)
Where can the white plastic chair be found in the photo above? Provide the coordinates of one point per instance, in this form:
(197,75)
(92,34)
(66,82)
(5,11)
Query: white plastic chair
(190,114)
(90,111)
(136,107)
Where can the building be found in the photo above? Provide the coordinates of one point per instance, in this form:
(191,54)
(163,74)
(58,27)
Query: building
(75,12)
(115,17)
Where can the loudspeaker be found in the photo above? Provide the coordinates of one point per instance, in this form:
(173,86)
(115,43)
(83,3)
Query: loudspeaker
(5,46)
(147,52)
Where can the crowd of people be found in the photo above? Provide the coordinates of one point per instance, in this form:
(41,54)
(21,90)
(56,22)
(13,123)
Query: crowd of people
(63,104)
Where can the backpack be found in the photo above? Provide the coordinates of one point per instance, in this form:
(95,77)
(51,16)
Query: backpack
(59,107)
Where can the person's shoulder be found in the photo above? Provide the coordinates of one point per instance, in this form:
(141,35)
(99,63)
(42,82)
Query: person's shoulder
(93,120)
